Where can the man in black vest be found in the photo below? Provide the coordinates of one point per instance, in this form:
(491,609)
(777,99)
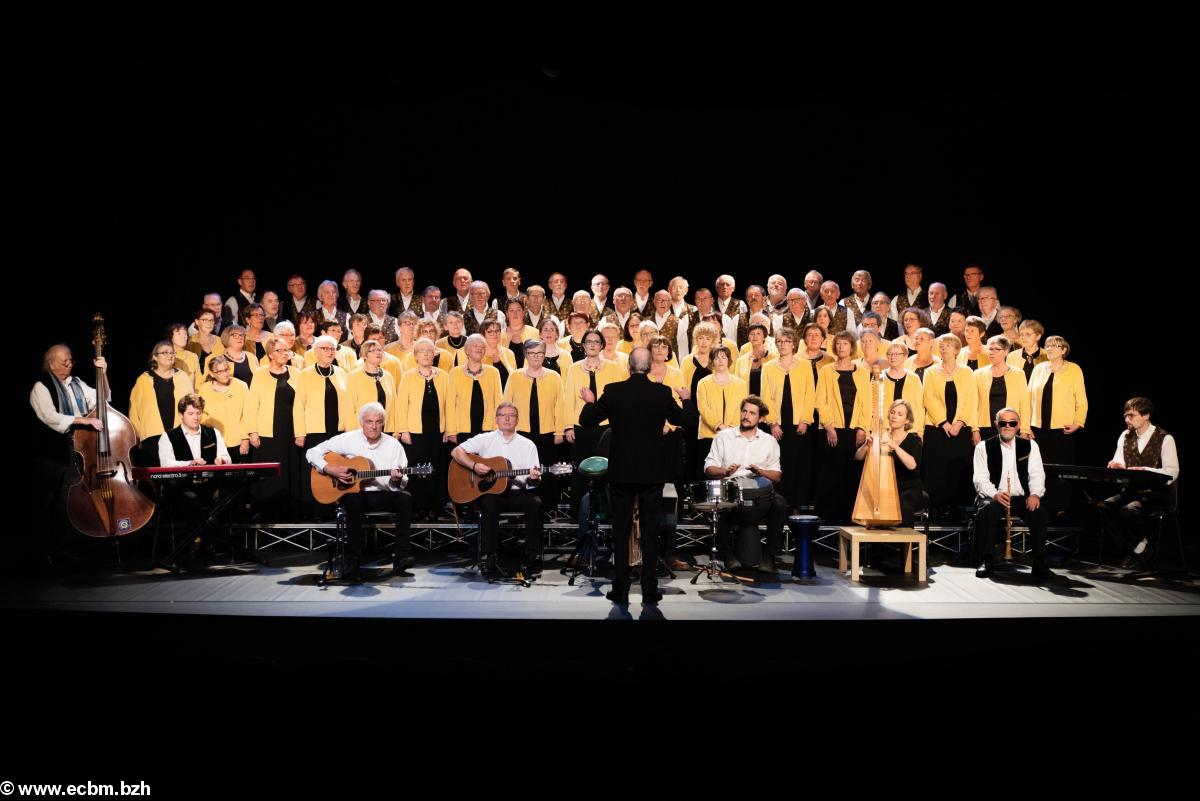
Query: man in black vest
(1141,446)
(62,403)
(638,465)
(1007,468)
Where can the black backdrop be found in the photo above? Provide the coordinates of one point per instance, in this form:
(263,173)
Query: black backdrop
(166,152)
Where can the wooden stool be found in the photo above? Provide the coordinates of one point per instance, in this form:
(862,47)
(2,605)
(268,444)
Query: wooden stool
(857,535)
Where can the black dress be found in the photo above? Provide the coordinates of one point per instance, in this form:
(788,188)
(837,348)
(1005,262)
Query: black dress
(428,492)
(280,497)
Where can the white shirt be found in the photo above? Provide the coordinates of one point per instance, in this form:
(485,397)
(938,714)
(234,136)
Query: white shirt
(863,306)
(299,304)
(643,304)
(43,404)
(1170,456)
(166,451)
(1008,453)
(599,303)
(730,447)
(480,316)
(681,337)
(328,315)
(934,316)
(385,454)
(622,319)
(520,451)
(912,299)
(962,299)
(430,315)
(728,324)
(357,305)
(231,304)
(405,301)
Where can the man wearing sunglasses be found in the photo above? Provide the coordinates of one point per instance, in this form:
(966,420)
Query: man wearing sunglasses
(1008,472)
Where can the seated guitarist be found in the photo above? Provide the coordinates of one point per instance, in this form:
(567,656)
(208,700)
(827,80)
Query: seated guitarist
(522,455)
(381,494)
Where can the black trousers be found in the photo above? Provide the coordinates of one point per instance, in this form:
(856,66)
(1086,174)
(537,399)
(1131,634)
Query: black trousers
(428,492)
(1057,447)
(547,455)
(357,504)
(1124,516)
(837,479)
(946,466)
(749,545)
(989,526)
(648,498)
(511,500)
(912,500)
(795,465)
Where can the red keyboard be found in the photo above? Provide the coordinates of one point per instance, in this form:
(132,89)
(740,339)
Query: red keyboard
(195,471)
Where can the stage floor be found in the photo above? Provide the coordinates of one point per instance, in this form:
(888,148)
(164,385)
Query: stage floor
(454,592)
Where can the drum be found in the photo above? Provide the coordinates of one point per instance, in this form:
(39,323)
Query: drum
(804,530)
(753,488)
(594,466)
(718,493)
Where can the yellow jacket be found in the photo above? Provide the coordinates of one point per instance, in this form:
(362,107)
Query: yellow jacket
(829,398)
(259,415)
(935,396)
(308,415)
(1016,359)
(195,348)
(800,381)
(346,358)
(224,408)
(143,405)
(411,397)
(529,333)
(1069,406)
(713,398)
(742,367)
(361,389)
(458,400)
(552,406)
(253,361)
(910,363)
(187,361)
(1017,394)
(913,392)
(393,366)
(672,379)
(577,379)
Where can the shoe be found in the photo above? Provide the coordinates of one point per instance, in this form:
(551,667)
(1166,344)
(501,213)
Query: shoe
(1041,572)
(677,564)
(1130,562)
(351,571)
(732,563)
(532,566)
(401,564)
(489,568)
(651,596)
(985,569)
(767,564)
(619,594)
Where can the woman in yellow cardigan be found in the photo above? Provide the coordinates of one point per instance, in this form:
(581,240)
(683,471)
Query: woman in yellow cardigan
(242,362)
(791,394)
(719,400)
(1030,353)
(516,332)
(750,365)
(225,405)
(370,383)
(154,400)
(844,399)
(205,343)
(270,424)
(474,392)
(185,360)
(1001,386)
(547,428)
(902,384)
(1058,411)
(951,404)
(322,405)
(595,373)
(494,355)
(421,426)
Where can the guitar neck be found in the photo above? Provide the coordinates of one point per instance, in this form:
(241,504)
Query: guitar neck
(363,475)
(514,473)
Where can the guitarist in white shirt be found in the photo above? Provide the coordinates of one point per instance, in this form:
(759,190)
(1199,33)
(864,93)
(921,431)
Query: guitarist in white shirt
(522,454)
(381,494)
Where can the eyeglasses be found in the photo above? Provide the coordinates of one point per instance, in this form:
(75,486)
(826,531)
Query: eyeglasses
(164,353)
(506,414)
(1007,423)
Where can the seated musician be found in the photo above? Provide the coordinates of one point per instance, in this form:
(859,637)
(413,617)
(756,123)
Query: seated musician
(748,451)
(998,461)
(1141,446)
(380,494)
(522,454)
(900,441)
(191,443)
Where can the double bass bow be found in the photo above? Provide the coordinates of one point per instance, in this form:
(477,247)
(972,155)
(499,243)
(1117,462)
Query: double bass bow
(105,501)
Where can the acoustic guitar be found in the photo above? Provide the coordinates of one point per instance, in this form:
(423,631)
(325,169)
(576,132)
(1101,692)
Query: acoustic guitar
(466,485)
(327,489)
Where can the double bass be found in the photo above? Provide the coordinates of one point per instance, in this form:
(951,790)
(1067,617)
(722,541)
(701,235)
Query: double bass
(105,502)
(878,501)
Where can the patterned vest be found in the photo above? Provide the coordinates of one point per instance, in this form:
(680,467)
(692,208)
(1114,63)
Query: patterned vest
(902,301)
(1151,456)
